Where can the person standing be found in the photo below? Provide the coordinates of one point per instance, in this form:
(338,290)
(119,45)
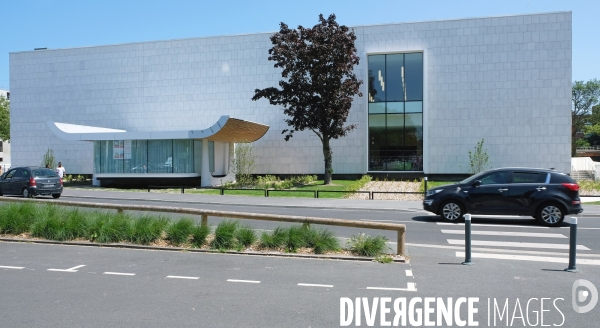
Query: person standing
(60,170)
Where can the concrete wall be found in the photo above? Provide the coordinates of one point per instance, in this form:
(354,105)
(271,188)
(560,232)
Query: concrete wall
(505,79)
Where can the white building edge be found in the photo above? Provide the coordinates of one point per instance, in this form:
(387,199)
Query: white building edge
(503,79)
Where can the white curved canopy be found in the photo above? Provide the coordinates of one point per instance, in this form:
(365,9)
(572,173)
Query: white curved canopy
(226,129)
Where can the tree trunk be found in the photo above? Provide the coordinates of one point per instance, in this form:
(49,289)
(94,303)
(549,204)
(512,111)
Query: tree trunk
(328,161)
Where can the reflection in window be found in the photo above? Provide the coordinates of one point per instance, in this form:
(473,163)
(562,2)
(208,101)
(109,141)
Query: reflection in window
(395,112)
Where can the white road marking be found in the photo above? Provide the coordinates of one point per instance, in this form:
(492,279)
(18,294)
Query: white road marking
(120,273)
(409,273)
(247,281)
(73,269)
(315,285)
(527,258)
(182,277)
(411,287)
(11,267)
(496,225)
(515,244)
(481,249)
(507,233)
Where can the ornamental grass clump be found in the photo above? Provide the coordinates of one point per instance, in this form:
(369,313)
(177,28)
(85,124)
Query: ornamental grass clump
(364,245)
(180,231)
(296,238)
(199,235)
(147,229)
(56,223)
(322,241)
(274,239)
(245,236)
(17,218)
(109,228)
(225,235)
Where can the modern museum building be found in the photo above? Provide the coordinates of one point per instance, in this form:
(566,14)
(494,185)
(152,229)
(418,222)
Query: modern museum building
(431,91)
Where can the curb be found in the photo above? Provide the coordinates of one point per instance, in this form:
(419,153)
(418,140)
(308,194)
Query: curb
(255,205)
(400,259)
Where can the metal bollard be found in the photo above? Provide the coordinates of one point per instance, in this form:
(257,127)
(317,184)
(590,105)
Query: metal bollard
(573,247)
(425,180)
(468,240)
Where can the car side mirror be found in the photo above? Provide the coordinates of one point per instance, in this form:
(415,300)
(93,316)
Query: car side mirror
(476,183)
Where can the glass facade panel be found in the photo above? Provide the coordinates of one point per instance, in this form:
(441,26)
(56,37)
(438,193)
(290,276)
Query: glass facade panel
(394,66)
(160,156)
(97,154)
(396,138)
(377,108)
(395,107)
(136,159)
(183,156)
(414,76)
(414,107)
(211,156)
(377,78)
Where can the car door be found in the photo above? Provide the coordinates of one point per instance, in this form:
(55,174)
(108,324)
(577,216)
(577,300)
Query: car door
(17,182)
(6,180)
(488,194)
(526,190)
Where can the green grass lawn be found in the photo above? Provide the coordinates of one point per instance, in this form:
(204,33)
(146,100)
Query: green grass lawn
(306,191)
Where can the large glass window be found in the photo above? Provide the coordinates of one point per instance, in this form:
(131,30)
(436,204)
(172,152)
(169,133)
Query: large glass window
(144,156)
(396,112)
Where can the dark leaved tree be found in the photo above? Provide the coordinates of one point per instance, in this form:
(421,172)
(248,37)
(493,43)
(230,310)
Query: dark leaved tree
(584,97)
(318,81)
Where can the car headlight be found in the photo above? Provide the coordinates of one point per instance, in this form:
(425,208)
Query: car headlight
(432,192)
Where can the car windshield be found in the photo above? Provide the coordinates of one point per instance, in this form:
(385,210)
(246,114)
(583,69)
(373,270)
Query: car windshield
(473,178)
(44,173)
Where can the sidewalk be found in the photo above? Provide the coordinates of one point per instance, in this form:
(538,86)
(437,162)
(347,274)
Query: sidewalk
(325,203)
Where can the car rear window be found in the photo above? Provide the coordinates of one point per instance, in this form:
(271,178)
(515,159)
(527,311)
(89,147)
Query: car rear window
(529,177)
(561,178)
(44,173)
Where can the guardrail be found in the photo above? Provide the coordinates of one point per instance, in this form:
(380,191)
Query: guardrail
(204,214)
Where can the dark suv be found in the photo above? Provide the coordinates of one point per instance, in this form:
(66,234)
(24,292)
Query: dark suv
(31,181)
(544,194)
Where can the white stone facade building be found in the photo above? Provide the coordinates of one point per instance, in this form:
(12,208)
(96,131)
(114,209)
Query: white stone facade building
(505,79)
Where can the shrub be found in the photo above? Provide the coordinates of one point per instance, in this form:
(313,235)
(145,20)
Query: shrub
(80,178)
(275,239)
(109,228)
(180,231)
(199,235)
(147,229)
(245,236)
(225,235)
(364,245)
(17,218)
(296,238)
(322,241)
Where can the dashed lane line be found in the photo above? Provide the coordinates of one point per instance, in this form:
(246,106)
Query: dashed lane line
(246,281)
(409,273)
(11,267)
(315,285)
(411,287)
(120,273)
(182,277)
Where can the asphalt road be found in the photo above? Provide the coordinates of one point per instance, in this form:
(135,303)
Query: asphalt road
(516,261)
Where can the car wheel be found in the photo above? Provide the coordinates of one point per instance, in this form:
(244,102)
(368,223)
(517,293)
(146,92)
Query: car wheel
(26,193)
(550,214)
(452,211)
(55,196)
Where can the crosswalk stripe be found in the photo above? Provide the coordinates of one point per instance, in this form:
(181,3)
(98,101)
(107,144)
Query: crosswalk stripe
(514,244)
(501,250)
(498,225)
(507,233)
(527,258)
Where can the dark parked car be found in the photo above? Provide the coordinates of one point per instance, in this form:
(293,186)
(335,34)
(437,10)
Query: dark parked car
(30,181)
(545,194)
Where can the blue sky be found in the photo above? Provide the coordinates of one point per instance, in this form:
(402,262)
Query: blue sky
(29,24)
